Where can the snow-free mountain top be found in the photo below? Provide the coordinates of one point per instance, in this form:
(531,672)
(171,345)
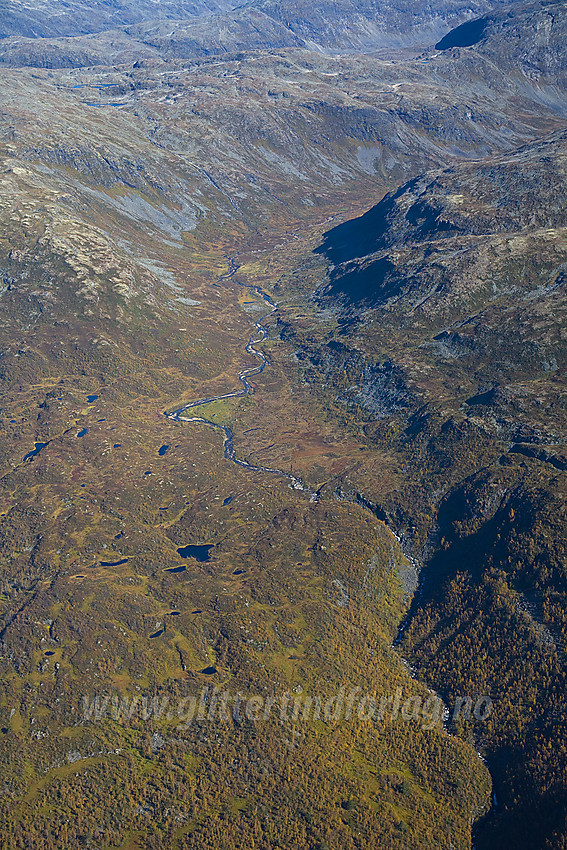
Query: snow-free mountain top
(52,18)
(353,25)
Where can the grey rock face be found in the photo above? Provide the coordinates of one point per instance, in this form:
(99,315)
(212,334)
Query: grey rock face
(52,18)
(203,27)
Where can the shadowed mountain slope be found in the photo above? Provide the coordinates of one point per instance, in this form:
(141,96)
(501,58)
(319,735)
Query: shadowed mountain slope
(450,301)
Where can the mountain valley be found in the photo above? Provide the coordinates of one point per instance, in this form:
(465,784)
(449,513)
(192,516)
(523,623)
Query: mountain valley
(392,179)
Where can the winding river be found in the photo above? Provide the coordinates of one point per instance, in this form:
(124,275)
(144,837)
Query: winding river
(247,389)
(295,483)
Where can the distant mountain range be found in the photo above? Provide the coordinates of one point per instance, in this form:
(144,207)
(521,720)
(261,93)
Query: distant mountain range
(53,18)
(101,33)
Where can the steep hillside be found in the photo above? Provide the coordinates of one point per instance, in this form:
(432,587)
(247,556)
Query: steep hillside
(361,25)
(450,301)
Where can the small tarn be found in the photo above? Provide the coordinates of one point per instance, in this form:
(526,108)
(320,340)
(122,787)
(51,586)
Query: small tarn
(200,552)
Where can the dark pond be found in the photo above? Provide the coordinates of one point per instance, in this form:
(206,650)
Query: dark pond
(91,398)
(117,445)
(149,472)
(49,653)
(238,573)
(180,569)
(163,450)
(198,611)
(175,613)
(36,451)
(209,671)
(114,563)
(227,501)
(119,535)
(200,553)
(157,634)
(82,432)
